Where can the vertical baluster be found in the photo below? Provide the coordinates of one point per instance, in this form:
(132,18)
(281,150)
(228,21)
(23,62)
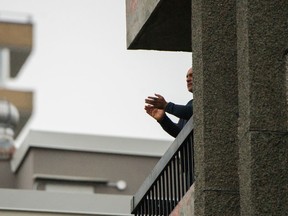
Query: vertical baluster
(152,201)
(145,206)
(160,196)
(156,198)
(167,189)
(171,184)
(182,172)
(192,154)
(148,203)
(186,165)
(138,212)
(192,157)
(179,175)
(189,159)
(183,169)
(175,179)
(164,194)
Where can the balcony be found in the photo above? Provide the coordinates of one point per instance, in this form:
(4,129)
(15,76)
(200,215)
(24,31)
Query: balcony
(159,25)
(170,179)
(16,43)
(16,34)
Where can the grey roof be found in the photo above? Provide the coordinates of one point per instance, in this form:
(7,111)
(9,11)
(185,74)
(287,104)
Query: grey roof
(89,143)
(73,203)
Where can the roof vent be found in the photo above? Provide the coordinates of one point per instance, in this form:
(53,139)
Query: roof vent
(9,119)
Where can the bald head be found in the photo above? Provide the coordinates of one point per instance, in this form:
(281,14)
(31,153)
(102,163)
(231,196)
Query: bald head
(189,80)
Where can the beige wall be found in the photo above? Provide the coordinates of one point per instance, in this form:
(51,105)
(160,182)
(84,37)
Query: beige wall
(24,176)
(7,179)
(16,34)
(113,167)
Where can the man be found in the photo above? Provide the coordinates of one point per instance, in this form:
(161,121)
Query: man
(157,108)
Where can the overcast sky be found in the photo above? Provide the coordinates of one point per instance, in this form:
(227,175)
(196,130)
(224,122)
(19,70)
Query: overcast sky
(84,79)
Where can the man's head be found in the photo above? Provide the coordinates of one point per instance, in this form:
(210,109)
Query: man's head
(189,80)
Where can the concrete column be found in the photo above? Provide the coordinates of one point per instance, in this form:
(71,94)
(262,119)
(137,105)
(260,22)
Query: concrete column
(262,39)
(215,107)
(4,65)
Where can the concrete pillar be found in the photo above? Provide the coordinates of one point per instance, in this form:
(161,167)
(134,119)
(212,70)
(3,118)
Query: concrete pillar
(262,39)
(216,105)
(4,65)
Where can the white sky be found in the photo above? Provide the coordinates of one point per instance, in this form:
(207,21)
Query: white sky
(84,78)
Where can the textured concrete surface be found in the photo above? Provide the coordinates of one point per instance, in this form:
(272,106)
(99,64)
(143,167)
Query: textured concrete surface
(262,40)
(137,14)
(186,205)
(263,173)
(216,104)
(158,25)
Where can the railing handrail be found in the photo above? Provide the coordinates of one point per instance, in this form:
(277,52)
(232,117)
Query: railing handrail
(159,167)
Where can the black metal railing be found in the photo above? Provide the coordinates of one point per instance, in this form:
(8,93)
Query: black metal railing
(170,179)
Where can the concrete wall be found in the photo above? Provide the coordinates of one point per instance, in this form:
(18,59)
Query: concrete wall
(24,176)
(215,107)
(113,167)
(7,179)
(27,202)
(186,205)
(263,138)
(101,161)
(159,25)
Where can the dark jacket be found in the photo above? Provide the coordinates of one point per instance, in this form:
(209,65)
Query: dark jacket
(183,112)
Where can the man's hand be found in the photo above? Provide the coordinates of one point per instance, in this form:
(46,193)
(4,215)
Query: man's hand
(158,102)
(157,114)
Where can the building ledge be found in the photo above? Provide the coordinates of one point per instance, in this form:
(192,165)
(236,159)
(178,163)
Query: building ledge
(66,203)
(89,143)
(18,38)
(159,25)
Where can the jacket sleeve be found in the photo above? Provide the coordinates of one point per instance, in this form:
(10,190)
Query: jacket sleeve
(169,126)
(180,111)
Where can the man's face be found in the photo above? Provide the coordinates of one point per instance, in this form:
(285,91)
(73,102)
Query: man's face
(189,80)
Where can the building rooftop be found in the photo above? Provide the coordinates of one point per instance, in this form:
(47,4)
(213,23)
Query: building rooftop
(32,202)
(89,143)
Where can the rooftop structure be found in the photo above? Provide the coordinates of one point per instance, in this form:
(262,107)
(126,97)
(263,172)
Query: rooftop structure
(89,170)
(16,40)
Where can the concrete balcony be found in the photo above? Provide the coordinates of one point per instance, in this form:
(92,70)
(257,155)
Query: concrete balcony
(18,38)
(16,41)
(159,25)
